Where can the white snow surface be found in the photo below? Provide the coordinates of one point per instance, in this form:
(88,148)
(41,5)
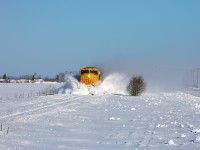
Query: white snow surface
(107,120)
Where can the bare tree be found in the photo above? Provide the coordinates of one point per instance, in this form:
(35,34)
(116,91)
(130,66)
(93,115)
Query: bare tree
(60,77)
(136,86)
(4,76)
(33,79)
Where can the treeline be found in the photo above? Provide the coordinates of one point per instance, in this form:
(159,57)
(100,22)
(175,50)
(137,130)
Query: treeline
(31,78)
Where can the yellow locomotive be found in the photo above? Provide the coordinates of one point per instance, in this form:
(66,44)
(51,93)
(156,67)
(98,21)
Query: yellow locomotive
(90,76)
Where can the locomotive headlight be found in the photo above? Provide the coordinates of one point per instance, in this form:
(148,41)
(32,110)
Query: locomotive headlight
(89,76)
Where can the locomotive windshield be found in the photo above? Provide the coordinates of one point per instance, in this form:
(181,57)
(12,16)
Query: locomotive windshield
(84,71)
(94,72)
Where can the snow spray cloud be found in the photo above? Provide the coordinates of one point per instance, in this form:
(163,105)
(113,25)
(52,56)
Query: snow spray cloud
(72,86)
(159,76)
(114,83)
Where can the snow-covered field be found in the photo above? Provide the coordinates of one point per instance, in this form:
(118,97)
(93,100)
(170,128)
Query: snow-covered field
(156,120)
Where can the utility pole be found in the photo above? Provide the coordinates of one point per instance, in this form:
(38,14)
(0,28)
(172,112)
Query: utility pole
(193,76)
(198,69)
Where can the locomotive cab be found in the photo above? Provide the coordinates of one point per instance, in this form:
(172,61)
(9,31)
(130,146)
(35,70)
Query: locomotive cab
(90,76)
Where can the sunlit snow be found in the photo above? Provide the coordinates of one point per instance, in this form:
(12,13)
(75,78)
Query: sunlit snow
(75,120)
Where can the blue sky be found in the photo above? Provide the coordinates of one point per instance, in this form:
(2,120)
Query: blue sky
(49,36)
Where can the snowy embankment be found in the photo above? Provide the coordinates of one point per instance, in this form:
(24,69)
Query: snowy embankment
(10,91)
(105,121)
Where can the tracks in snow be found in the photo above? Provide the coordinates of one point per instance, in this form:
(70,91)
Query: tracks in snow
(47,104)
(147,135)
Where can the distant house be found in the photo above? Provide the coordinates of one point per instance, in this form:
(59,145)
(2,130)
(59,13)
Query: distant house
(13,81)
(2,81)
(38,80)
(22,81)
